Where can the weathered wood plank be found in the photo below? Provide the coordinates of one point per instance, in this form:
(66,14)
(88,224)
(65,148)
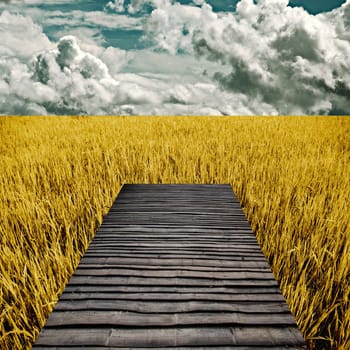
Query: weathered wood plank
(174,290)
(234,347)
(172,337)
(86,265)
(117,228)
(172,281)
(117,236)
(174,250)
(183,255)
(183,245)
(109,272)
(173,307)
(137,260)
(142,296)
(122,318)
(161,253)
(152,226)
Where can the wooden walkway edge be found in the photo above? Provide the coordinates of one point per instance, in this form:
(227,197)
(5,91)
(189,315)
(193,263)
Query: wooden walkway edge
(172,266)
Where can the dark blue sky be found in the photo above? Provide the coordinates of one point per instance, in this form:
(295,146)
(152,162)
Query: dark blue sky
(317,6)
(312,6)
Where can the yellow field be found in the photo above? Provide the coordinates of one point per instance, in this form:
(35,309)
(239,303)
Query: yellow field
(59,176)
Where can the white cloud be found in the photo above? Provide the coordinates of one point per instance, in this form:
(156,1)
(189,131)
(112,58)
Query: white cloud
(171,25)
(20,36)
(69,80)
(183,68)
(115,59)
(116,5)
(295,62)
(111,21)
(134,6)
(19,94)
(90,39)
(78,18)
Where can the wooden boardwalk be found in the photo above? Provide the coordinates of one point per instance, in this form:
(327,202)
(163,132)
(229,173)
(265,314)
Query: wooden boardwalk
(172,266)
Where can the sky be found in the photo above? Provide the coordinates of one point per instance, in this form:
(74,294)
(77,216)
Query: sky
(163,57)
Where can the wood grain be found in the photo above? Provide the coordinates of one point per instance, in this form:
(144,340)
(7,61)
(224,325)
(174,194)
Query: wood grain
(172,266)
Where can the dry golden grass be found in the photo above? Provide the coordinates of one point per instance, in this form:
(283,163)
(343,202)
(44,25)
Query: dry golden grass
(59,176)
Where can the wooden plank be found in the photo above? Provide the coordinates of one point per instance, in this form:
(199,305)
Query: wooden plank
(173,307)
(117,228)
(86,265)
(190,239)
(172,281)
(172,337)
(139,260)
(174,290)
(164,252)
(159,226)
(217,347)
(183,245)
(142,296)
(121,318)
(183,255)
(175,250)
(172,266)
(234,347)
(117,236)
(180,256)
(109,272)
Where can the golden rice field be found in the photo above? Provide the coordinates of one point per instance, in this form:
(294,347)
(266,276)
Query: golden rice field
(59,176)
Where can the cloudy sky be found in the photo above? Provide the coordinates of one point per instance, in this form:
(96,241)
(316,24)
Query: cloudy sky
(163,57)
